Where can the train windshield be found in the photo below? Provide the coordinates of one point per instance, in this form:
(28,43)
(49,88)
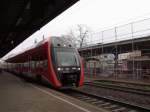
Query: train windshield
(67,57)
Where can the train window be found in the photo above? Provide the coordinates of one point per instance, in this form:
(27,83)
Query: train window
(67,57)
(26,64)
(32,64)
(45,63)
(54,56)
(42,64)
(38,64)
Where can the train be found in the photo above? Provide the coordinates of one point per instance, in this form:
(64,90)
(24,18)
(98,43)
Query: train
(54,60)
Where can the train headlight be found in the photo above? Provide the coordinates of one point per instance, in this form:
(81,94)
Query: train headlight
(73,68)
(59,69)
(78,68)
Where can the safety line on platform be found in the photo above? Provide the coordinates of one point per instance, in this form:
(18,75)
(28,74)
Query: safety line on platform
(66,101)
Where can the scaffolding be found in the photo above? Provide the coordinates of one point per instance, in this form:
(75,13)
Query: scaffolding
(122,52)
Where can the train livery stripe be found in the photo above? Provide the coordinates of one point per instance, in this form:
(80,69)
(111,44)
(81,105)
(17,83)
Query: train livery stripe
(53,77)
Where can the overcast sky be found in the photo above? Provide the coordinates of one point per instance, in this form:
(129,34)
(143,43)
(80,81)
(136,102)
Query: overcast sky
(96,14)
(99,15)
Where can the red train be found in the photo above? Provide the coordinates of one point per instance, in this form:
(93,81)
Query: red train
(54,60)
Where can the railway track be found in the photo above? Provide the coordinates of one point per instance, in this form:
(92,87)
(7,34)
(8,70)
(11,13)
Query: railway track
(119,88)
(140,86)
(106,103)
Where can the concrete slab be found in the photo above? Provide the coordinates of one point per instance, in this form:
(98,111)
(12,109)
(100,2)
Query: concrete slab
(17,95)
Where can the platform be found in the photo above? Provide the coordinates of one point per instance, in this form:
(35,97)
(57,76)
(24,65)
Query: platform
(17,95)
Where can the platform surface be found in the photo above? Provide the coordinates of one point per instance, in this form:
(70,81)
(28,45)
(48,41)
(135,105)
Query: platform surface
(17,95)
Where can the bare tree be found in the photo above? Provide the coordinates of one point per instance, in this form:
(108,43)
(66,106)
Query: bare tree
(71,39)
(79,36)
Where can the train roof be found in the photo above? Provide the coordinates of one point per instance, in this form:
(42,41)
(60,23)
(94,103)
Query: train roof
(61,42)
(38,50)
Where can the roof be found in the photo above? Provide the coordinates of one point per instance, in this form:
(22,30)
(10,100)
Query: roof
(143,42)
(21,18)
(36,52)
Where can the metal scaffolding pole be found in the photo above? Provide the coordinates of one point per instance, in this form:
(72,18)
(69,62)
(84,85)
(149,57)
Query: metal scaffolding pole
(116,53)
(102,52)
(132,36)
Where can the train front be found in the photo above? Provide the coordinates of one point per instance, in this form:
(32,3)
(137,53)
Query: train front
(67,63)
